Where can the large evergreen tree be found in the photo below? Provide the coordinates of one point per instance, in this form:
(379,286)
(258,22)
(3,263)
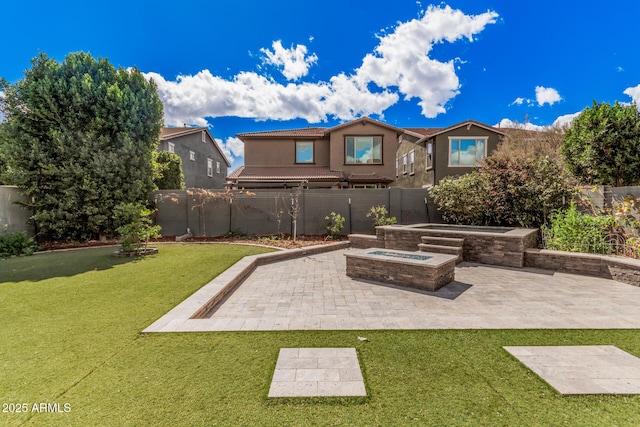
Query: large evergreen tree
(602,146)
(79,138)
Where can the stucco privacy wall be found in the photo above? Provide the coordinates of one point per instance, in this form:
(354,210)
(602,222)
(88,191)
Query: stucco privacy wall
(12,215)
(259,214)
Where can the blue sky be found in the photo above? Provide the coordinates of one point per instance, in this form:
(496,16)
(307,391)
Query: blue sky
(257,65)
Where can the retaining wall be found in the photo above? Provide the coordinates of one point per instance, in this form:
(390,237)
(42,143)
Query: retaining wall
(626,270)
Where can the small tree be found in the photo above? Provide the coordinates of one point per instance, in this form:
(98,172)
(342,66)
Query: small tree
(138,227)
(602,146)
(294,209)
(379,214)
(335,224)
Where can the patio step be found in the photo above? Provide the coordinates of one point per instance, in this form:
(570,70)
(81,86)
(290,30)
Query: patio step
(443,241)
(442,249)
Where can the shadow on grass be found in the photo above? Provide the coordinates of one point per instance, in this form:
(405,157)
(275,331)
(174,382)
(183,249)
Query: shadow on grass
(59,264)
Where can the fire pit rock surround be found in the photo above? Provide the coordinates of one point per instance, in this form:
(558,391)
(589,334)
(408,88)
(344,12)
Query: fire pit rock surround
(419,270)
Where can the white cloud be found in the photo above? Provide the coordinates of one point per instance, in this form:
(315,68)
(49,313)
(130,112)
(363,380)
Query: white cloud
(294,62)
(634,93)
(508,123)
(402,60)
(520,101)
(232,148)
(399,65)
(547,95)
(566,119)
(560,121)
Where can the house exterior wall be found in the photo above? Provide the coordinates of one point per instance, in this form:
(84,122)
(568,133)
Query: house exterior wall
(421,177)
(282,152)
(441,149)
(195,171)
(440,156)
(389,145)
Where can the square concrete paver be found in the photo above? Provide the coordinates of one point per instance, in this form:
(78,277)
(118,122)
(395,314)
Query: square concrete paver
(583,369)
(307,372)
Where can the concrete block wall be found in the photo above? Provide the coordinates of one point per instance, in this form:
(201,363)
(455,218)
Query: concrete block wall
(624,270)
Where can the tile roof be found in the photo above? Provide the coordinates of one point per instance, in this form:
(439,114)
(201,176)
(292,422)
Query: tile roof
(424,131)
(368,177)
(285,173)
(303,132)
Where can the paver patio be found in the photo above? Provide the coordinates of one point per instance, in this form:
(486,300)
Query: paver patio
(314,293)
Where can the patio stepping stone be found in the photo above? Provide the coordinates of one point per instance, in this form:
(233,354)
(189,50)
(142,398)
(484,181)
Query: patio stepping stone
(309,372)
(600,369)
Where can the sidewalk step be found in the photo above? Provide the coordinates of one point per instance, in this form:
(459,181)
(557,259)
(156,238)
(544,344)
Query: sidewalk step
(443,241)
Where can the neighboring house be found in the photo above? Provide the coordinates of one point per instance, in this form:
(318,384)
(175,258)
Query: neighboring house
(357,154)
(426,155)
(203,163)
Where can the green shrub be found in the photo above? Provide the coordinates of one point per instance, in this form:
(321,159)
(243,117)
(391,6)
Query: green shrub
(14,244)
(573,231)
(379,214)
(504,191)
(335,224)
(463,200)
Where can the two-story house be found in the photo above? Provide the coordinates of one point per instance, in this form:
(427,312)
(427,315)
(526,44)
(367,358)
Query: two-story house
(357,154)
(204,165)
(426,155)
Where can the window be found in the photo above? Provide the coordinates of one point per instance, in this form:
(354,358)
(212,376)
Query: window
(209,167)
(304,151)
(204,136)
(404,164)
(397,163)
(363,149)
(192,156)
(217,167)
(172,147)
(429,159)
(467,151)
(412,162)
(365,186)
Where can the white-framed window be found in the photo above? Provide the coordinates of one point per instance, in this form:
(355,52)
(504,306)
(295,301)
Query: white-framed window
(429,158)
(192,156)
(404,164)
(397,167)
(204,136)
(412,162)
(304,151)
(209,167)
(365,186)
(468,151)
(218,168)
(172,147)
(363,150)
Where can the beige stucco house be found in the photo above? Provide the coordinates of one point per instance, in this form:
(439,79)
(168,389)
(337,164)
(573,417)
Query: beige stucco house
(357,154)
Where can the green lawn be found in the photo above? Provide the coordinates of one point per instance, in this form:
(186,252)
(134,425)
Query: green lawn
(70,334)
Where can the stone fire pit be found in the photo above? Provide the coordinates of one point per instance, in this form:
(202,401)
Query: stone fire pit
(420,270)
